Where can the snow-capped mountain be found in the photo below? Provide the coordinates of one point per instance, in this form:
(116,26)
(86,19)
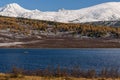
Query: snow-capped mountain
(103,12)
(13,10)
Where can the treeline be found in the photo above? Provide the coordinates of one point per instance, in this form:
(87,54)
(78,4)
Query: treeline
(18,23)
(25,25)
(76,72)
(89,30)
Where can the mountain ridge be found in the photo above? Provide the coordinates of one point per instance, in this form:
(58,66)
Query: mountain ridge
(101,12)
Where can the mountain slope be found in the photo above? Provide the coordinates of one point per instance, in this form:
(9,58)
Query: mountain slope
(105,23)
(12,10)
(102,12)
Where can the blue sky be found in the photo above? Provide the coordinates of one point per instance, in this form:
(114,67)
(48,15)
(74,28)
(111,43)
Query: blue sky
(53,5)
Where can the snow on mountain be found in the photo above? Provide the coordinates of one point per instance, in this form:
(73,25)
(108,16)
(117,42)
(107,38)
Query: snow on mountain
(12,10)
(102,12)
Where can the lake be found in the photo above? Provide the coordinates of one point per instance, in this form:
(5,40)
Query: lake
(31,59)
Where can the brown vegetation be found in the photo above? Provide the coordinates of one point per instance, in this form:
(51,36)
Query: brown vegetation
(65,35)
(76,73)
(23,25)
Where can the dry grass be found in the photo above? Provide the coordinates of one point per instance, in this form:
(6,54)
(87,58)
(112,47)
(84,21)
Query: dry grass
(9,77)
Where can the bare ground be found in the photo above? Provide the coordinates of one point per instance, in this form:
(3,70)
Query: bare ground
(67,43)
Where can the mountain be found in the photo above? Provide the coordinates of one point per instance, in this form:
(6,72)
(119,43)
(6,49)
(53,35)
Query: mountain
(102,12)
(12,10)
(109,11)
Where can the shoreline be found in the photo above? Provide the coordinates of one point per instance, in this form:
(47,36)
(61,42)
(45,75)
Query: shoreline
(22,77)
(58,43)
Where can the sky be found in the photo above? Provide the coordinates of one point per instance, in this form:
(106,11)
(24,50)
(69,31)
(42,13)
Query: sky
(54,5)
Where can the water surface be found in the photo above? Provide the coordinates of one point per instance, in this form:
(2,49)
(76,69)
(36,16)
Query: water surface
(40,58)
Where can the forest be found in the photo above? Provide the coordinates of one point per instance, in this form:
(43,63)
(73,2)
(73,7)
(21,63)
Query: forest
(26,26)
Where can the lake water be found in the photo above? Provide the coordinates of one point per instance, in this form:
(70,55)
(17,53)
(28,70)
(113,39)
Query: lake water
(40,58)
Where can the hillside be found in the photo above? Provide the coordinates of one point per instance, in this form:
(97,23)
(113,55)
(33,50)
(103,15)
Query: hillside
(37,33)
(106,23)
(28,27)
